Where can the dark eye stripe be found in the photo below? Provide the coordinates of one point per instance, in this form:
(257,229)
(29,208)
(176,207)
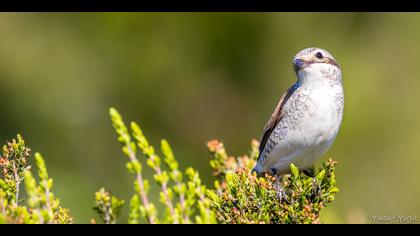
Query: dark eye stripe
(331,62)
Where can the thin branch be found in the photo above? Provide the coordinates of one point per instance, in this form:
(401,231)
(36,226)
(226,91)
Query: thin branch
(47,200)
(181,198)
(107,216)
(140,182)
(165,192)
(17,181)
(3,209)
(202,199)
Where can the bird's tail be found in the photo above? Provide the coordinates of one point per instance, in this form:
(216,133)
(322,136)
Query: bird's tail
(257,169)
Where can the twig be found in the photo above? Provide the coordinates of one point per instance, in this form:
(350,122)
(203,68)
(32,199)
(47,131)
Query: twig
(3,209)
(165,192)
(140,182)
(47,200)
(107,216)
(181,196)
(182,202)
(17,182)
(202,199)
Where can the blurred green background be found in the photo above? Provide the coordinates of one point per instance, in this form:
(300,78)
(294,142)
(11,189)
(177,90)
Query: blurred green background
(192,77)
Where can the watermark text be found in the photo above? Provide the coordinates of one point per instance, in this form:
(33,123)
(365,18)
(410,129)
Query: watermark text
(394,219)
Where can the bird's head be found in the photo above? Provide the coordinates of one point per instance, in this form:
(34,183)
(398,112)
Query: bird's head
(311,61)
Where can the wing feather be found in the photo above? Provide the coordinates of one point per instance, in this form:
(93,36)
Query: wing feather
(275,117)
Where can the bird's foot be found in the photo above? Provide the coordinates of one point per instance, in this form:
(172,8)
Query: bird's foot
(279,189)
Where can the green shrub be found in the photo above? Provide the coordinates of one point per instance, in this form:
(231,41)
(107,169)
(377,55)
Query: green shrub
(41,206)
(238,196)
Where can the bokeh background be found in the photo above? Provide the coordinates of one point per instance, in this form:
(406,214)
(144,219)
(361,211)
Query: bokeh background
(192,77)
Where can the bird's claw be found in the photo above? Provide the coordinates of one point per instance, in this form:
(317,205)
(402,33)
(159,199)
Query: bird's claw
(279,188)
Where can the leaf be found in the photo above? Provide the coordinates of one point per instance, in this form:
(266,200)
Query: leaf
(294,170)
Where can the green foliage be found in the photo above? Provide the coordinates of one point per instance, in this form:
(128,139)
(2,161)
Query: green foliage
(14,163)
(107,206)
(184,201)
(40,198)
(242,197)
(41,205)
(239,196)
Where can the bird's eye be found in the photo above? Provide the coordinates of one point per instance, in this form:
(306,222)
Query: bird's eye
(319,55)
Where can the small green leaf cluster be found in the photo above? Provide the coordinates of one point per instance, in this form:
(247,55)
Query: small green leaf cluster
(108,207)
(41,206)
(13,163)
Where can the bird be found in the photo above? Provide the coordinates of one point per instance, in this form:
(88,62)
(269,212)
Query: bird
(307,118)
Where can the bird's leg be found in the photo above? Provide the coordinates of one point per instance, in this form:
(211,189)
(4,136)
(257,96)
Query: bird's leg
(310,171)
(315,187)
(279,188)
(277,184)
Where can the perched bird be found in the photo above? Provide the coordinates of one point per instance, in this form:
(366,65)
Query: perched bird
(307,118)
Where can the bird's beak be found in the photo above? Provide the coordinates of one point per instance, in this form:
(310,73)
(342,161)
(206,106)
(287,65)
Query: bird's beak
(299,64)
(302,62)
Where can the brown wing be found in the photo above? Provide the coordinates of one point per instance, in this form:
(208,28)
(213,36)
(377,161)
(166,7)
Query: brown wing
(275,117)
